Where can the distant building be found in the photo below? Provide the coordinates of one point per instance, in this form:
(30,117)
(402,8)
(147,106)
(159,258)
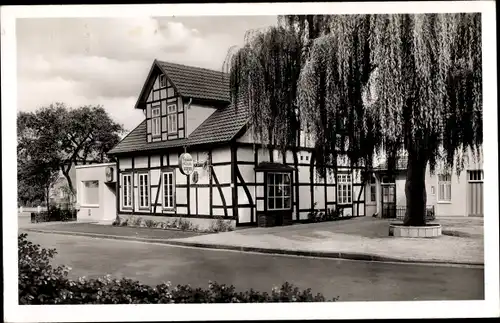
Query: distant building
(447,193)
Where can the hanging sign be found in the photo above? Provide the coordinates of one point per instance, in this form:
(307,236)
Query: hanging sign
(186,163)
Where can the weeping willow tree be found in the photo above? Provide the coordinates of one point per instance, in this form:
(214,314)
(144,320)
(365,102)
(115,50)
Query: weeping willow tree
(392,83)
(264,74)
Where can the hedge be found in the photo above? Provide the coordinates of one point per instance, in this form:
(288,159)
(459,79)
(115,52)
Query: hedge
(40,283)
(54,214)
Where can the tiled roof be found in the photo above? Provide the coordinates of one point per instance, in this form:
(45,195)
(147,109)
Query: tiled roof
(221,126)
(197,82)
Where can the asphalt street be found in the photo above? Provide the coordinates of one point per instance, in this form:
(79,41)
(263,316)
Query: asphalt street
(350,280)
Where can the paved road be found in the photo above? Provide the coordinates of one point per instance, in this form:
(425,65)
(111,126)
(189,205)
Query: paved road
(350,280)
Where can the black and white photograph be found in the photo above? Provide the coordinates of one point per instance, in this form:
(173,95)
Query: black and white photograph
(273,160)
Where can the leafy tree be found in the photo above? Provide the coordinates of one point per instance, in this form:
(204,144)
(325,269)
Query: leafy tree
(63,137)
(36,179)
(397,83)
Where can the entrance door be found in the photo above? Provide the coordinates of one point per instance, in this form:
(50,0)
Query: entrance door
(475,193)
(389,200)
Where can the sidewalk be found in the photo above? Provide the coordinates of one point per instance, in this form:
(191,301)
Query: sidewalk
(358,238)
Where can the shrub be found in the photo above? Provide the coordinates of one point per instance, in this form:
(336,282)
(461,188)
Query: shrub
(184,225)
(220,225)
(55,213)
(330,215)
(135,221)
(150,223)
(40,283)
(430,215)
(124,223)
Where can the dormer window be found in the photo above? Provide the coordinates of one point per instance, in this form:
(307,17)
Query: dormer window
(155,122)
(172,118)
(163,81)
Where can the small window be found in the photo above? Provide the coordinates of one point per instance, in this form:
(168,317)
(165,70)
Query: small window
(432,190)
(90,192)
(444,185)
(279,191)
(155,121)
(168,190)
(373,189)
(344,188)
(127,190)
(163,81)
(143,190)
(373,193)
(172,118)
(475,175)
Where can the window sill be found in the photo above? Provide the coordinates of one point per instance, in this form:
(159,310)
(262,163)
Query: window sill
(443,202)
(90,206)
(169,209)
(144,208)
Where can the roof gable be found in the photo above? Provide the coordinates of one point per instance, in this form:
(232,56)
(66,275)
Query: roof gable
(189,82)
(221,127)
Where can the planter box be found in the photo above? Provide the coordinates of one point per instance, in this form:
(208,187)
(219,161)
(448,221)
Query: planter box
(428,231)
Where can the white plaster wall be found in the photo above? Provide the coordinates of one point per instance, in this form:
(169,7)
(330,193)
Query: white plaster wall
(125,162)
(106,208)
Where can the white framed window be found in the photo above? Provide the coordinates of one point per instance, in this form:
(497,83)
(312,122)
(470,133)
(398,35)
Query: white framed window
(344,189)
(163,80)
(279,191)
(143,190)
(168,190)
(172,118)
(155,121)
(127,190)
(90,193)
(444,187)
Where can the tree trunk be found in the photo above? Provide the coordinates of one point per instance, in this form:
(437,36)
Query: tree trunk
(416,195)
(68,178)
(296,165)
(47,196)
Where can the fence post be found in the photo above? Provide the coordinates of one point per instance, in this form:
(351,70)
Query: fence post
(38,209)
(20,209)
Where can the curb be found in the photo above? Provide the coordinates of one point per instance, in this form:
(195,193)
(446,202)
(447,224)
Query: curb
(318,254)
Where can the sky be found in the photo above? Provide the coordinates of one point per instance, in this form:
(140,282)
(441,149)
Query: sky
(105,61)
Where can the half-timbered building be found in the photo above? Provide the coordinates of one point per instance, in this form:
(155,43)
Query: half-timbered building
(233,176)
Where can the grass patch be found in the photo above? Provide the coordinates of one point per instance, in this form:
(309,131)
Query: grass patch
(454,233)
